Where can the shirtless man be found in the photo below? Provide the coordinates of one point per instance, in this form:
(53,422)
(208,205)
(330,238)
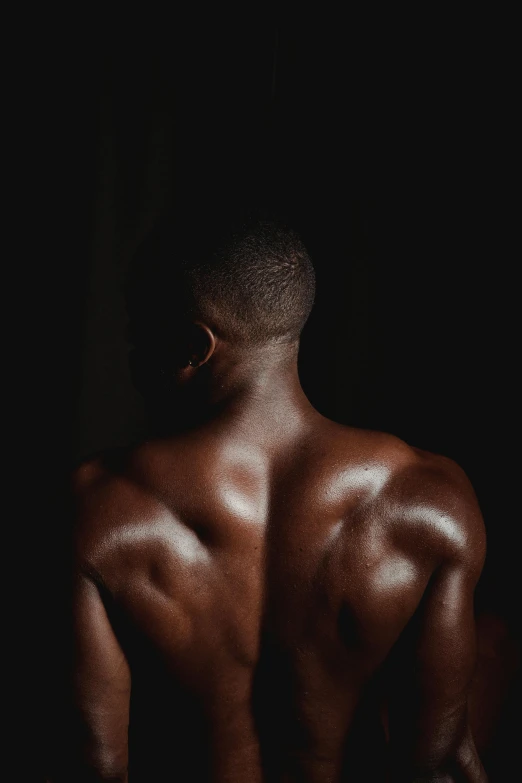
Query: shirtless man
(255,581)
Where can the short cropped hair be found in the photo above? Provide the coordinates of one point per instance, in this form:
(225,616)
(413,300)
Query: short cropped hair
(248,275)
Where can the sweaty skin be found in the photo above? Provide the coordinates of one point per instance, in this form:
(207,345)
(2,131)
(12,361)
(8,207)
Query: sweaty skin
(250,592)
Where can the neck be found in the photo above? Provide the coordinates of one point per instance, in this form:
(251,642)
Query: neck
(260,392)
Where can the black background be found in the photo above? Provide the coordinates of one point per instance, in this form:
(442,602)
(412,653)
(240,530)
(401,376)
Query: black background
(391,140)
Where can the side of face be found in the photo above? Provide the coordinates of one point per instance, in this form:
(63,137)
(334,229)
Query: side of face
(167,355)
(169,352)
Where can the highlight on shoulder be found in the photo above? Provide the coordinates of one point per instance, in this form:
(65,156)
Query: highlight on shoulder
(434,505)
(424,499)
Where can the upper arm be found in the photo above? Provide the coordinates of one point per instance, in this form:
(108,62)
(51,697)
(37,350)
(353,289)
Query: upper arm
(100,688)
(428,708)
(435,659)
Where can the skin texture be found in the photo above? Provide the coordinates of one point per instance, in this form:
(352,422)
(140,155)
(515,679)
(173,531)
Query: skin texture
(264,595)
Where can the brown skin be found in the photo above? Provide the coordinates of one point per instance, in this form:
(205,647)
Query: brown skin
(256,575)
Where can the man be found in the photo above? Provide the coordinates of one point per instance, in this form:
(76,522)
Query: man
(253,583)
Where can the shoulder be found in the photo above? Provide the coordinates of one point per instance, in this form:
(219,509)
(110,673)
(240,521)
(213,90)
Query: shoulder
(432,507)
(100,478)
(424,501)
(110,497)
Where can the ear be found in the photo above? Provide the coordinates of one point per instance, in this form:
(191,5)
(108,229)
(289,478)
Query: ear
(202,344)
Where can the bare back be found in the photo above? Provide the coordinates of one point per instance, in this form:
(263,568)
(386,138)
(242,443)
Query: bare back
(256,593)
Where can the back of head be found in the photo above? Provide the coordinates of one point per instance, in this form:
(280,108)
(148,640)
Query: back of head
(246,274)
